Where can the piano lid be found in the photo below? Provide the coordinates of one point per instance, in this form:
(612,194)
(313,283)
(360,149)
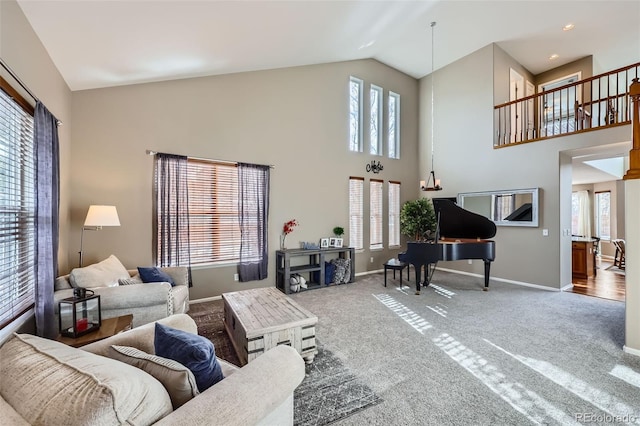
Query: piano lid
(456,222)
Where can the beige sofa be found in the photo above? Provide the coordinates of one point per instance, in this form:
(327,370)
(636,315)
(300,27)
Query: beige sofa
(147,302)
(46,382)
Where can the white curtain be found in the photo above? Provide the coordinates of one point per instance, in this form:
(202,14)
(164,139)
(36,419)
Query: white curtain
(584,214)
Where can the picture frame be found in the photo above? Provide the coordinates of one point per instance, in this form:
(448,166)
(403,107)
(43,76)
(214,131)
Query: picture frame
(338,243)
(332,242)
(324,243)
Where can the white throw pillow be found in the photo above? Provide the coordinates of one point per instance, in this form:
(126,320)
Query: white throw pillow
(177,379)
(47,382)
(102,274)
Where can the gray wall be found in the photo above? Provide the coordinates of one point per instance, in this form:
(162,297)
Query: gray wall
(22,51)
(466,162)
(295,119)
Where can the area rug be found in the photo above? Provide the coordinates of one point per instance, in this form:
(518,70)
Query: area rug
(329,391)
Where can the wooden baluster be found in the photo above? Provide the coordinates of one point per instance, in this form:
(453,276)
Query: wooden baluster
(634,154)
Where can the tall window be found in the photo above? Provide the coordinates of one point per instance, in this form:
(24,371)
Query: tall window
(375,214)
(375,121)
(394,213)
(355,114)
(356,190)
(17,208)
(603,215)
(394,125)
(214,230)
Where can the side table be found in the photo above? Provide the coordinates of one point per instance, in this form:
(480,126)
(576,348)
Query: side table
(395,265)
(109,327)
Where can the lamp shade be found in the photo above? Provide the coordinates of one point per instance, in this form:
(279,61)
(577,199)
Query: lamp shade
(102,216)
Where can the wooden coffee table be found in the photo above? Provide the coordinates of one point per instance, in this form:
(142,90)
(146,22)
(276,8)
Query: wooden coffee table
(259,319)
(109,327)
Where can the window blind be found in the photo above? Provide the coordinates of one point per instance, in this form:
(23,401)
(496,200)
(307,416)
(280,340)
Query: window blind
(214,231)
(375,214)
(17,210)
(394,213)
(356,190)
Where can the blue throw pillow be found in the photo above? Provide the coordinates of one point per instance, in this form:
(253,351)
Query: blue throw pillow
(155,275)
(194,352)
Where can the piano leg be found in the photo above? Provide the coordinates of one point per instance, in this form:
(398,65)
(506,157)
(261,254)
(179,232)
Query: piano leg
(418,269)
(487,267)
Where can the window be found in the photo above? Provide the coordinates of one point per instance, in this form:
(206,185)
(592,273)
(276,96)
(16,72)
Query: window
(375,122)
(603,215)
(355,114)
(394,125)
(17,207)
(214,230)
(356,190)
(394,213)
(375,214)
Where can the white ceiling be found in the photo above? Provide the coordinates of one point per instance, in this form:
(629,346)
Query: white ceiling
(116,42)
(108,43)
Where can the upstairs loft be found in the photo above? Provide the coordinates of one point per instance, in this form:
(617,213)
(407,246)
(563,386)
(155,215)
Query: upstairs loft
(595,103)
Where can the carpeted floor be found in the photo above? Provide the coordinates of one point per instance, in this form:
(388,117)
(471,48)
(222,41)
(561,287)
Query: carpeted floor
(455,355)
(329,391)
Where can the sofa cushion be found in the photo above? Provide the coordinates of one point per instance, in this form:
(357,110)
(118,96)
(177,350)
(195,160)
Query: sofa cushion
(47,382)
(131,280)
(194,352)
(177,379)
(102,274)
(154,275)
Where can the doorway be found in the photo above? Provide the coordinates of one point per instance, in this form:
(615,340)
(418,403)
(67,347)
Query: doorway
(592,176)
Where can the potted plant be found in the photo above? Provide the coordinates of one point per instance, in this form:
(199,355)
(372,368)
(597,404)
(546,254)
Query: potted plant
(418,219)
(338,231)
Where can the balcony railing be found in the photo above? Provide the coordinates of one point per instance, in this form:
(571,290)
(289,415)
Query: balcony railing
(594,103)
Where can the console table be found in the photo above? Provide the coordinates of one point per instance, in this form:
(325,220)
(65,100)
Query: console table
(309,261)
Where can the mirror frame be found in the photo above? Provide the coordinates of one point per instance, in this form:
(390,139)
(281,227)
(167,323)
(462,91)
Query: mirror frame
(534,202)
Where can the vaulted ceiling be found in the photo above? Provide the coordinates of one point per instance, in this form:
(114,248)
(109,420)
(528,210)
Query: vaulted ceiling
(108,43)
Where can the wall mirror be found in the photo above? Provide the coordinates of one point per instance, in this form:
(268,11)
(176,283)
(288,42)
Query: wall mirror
(512,207)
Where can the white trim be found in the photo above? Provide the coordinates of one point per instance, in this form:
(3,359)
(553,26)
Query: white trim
(504,280)
(631,351)
(359,274)
(205,299)
(16,324)
(567,287)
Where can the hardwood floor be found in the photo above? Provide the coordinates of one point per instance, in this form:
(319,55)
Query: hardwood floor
(607,284)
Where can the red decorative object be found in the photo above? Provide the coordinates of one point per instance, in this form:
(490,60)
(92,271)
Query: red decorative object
(286,230)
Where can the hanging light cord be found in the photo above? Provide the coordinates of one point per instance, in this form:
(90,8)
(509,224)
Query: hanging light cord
(433,24)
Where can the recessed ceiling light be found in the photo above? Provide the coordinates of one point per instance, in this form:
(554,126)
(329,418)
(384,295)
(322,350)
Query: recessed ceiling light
(568,27)
(554,56)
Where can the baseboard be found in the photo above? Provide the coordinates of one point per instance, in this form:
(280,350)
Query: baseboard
(503,280)
(205,299)
(631,351)
(377,271)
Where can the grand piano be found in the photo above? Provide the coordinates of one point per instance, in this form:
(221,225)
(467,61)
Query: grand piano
(460,234)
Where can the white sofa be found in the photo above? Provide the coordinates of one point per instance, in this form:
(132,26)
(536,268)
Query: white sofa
(46,382)
(147,302)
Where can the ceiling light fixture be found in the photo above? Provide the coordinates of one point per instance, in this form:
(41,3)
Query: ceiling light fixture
(568,27)
(554,56)
(432,184)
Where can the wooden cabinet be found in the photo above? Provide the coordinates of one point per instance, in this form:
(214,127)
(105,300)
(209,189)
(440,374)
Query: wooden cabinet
(300,261)
(583,258)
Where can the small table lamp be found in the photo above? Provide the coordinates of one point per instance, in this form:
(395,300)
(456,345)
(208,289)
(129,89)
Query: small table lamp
(97,217)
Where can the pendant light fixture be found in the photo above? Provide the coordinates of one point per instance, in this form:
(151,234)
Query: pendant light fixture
(432,184)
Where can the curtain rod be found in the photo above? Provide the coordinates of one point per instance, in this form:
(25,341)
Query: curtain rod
(21,83)
(150,152)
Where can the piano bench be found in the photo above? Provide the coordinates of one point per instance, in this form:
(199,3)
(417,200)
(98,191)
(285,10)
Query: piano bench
(395,265)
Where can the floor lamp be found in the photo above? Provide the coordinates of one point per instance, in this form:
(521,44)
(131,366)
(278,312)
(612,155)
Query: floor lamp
(97,217)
